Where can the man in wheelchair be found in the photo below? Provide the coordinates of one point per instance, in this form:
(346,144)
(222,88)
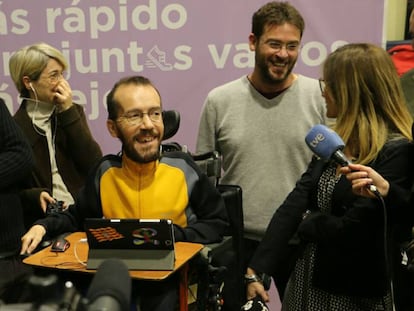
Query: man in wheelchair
(141,183)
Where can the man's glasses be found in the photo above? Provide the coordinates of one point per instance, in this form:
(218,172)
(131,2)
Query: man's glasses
(137,117)
(278,46)
(322,85)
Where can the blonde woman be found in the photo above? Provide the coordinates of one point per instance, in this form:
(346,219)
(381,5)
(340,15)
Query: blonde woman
(340,261)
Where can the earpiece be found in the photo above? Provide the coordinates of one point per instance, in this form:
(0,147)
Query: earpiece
(31,86)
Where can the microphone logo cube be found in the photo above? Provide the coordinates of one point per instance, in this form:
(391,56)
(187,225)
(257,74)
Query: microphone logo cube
(317,139)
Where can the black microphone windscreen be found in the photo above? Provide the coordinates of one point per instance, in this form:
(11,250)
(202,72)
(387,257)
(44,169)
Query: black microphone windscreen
(111,280)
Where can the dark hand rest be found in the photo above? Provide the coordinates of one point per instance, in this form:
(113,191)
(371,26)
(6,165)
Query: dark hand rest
(23,256)
(43,244)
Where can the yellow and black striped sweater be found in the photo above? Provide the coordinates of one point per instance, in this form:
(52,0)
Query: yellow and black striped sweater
(172,188)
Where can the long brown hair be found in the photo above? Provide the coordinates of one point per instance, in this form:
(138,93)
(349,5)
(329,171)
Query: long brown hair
(363,84)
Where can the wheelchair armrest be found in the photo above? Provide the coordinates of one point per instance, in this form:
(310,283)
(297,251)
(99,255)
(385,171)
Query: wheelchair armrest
(222,253)
(210,163)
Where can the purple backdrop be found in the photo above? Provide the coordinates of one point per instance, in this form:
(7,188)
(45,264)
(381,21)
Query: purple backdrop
(186,47)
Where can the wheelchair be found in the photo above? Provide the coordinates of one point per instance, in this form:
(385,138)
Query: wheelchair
(218,272)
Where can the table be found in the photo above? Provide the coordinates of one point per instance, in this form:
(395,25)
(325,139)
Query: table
(75,257)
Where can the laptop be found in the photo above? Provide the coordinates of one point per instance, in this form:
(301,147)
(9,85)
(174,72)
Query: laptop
(143,244)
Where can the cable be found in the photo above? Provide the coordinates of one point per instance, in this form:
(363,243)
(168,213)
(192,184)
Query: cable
(36,107)
(375,191)
(378,195)
(83,263)
(36,100)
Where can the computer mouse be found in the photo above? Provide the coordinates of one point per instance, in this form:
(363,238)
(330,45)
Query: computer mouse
(60,245)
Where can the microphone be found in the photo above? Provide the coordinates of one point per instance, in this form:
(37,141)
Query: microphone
(110,288)
(326,144)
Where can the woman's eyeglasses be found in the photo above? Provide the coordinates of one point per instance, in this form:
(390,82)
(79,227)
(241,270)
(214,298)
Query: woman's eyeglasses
(322,85)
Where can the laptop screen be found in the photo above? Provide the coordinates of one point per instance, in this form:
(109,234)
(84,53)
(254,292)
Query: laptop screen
(143,244)
(130,233)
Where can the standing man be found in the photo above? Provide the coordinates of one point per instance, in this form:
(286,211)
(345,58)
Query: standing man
(55,126)
(259,121)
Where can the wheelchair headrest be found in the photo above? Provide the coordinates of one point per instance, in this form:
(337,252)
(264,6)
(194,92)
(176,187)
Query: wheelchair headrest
(171,119)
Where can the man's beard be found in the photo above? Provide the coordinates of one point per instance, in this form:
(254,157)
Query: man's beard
(265,73)
(133,154)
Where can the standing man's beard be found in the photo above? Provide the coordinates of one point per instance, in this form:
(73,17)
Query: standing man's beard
(267,76)
(133,154)
(263,65)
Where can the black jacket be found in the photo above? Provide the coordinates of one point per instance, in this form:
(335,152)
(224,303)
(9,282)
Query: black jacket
(350,257)
(76,153)
(16,161)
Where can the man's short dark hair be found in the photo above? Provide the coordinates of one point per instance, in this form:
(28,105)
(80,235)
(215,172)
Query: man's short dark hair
(111,103)
(276,13)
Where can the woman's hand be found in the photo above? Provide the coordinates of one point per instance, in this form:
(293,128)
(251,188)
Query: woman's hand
(32,238)
(362,177)
(45,199)
(255,288)
(63,95)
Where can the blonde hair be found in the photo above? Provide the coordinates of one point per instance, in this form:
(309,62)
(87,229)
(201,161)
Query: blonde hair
(362,82)
(30,61)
